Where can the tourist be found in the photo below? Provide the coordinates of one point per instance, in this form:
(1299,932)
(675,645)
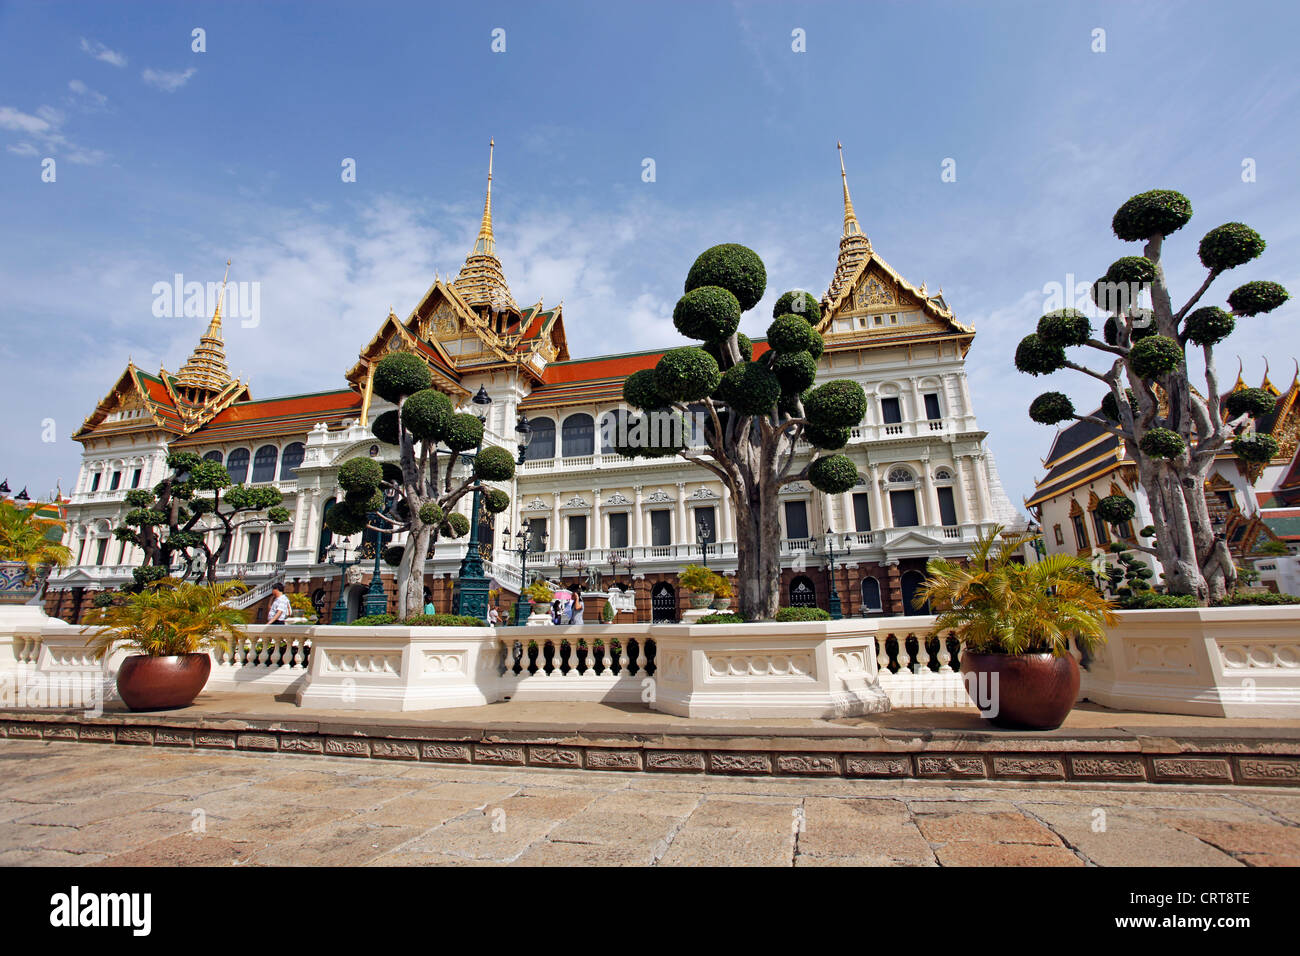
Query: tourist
(575,616)
(429,608)
(556,611)
(280,608)
(494,616)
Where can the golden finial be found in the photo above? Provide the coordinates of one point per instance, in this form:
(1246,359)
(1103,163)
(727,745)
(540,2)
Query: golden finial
(486,242)
(851,227)
(1266,385)
(206,369)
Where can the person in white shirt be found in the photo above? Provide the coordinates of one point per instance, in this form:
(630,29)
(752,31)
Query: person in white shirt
(494,616)
(280,608)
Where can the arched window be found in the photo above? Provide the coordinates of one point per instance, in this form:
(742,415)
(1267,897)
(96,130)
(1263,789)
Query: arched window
(578,436)
(213,456)
(901,476)
(871,595)
(264,463)
(613,430)
(943,474)
(542,445)
(237,465)
(803,593)
(326,535)
(290,461)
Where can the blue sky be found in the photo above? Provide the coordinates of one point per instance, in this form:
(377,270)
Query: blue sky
(170,161)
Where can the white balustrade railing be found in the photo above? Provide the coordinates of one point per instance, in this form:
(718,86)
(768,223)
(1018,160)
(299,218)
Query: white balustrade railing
(271,655)
(603,665)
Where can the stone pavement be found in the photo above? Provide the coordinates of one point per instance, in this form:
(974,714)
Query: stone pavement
(74,804)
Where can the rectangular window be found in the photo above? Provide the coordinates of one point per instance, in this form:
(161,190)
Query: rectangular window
(706,525)
(891,411)
(101,552)
(903,506)
(536,534)
(115,481)
(254,546)
(661,529)
(796,519)
(121,553)
(577,532)
(135,478)
(281,546)
(947,507)
(1060,535)
(861,512)
(1099,525)
(618,529)
(1080,533)
(94,481)
(932,407)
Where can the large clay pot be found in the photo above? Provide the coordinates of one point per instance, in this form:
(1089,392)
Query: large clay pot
(1031,691)
(701,599)
(159,683)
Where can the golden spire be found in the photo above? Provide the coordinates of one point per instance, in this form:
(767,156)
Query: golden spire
(481,281)
(854,247)
(206,369)
(1266,385)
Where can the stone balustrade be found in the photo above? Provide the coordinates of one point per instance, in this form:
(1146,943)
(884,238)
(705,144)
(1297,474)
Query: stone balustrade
(1224,662)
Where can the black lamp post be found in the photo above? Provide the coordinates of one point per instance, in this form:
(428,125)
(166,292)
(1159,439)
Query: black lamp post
(524,430)
(1036,531)
(522,608)
(376,598)
(472,589)
(833,600)
(704,534)
(339,556)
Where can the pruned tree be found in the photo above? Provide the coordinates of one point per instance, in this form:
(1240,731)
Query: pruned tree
(432,440)
(174,521)
(754,410)
(1172,431)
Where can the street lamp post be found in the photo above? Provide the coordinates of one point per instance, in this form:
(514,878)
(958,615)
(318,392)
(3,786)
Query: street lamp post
(524,605)
(833,600)
(339,556)
(472,589)
(376,597)
(704,534)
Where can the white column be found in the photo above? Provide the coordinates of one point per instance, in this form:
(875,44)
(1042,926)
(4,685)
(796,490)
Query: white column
(878,517)
(683,536)
(635,521)
(931,496)
(959,490)
(559,536)
(982,501)
(968,410)
(596,537)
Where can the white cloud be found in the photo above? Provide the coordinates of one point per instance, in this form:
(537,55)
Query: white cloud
(45,126)
(165,81)
(85,96)
(23,149)
(100,52)
(21,122)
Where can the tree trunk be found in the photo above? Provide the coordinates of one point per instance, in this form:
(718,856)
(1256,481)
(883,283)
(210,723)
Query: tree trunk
(410,593)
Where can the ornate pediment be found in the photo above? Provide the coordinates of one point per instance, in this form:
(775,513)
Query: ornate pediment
(537,504)
(577,501)
(617,499)
(702,493)
(872,293)
(658,495)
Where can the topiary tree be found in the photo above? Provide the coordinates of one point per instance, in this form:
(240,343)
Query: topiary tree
(1172,431)
(431,438)
(754,410)
(173,521)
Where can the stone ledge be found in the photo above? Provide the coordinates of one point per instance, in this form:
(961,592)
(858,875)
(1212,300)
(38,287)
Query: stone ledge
(1176,759)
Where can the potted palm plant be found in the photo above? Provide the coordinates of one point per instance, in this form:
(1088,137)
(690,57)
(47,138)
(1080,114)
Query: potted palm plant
(171,628)
(700,582)
(29,547)
(1016,621)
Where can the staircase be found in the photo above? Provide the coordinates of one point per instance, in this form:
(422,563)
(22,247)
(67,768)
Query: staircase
(250,597)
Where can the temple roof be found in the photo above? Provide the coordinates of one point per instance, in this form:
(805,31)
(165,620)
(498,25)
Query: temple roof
(206,369)
(482,281)
(1081,453)
(272,417)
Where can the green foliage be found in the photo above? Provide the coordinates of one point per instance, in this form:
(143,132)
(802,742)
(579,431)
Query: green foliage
(640,390)
(1116,509)
(827,437)
(725,618)
(464,432)
(695,578)
(1051,407)
(1255,448)
(1254,298)
(139,498)
(687,374)
(796,371)
(750,388)
(709,313)
(1250,401)
(817,346)
(607,613)
(495,501)
(1155,356)
(746,346)
(443,620)
(998,604)
(427,414)
(1162,443)
(399,374)
(1036,357)
(789,333)
(146,575)
(392,554)
(836,403)
(1158,212)
(833,474)
(431,513)
(346,519)
(384,427)
(1230,245)
(1110,407)
(374,620)
(790,615)
(1273,547)
(1064,327)
(1209,325)
(1132,269)
(1264,599)
(539,592)
(1110,331)
(733,267)
(800,303)
(360,476)
(455,525)
(165,621)
(1151,601)
(494,464)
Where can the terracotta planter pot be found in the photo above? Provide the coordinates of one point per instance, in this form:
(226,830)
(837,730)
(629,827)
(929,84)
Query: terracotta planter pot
(159,683)
(1026,691)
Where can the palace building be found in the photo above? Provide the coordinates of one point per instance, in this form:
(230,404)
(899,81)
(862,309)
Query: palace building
(928,484)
